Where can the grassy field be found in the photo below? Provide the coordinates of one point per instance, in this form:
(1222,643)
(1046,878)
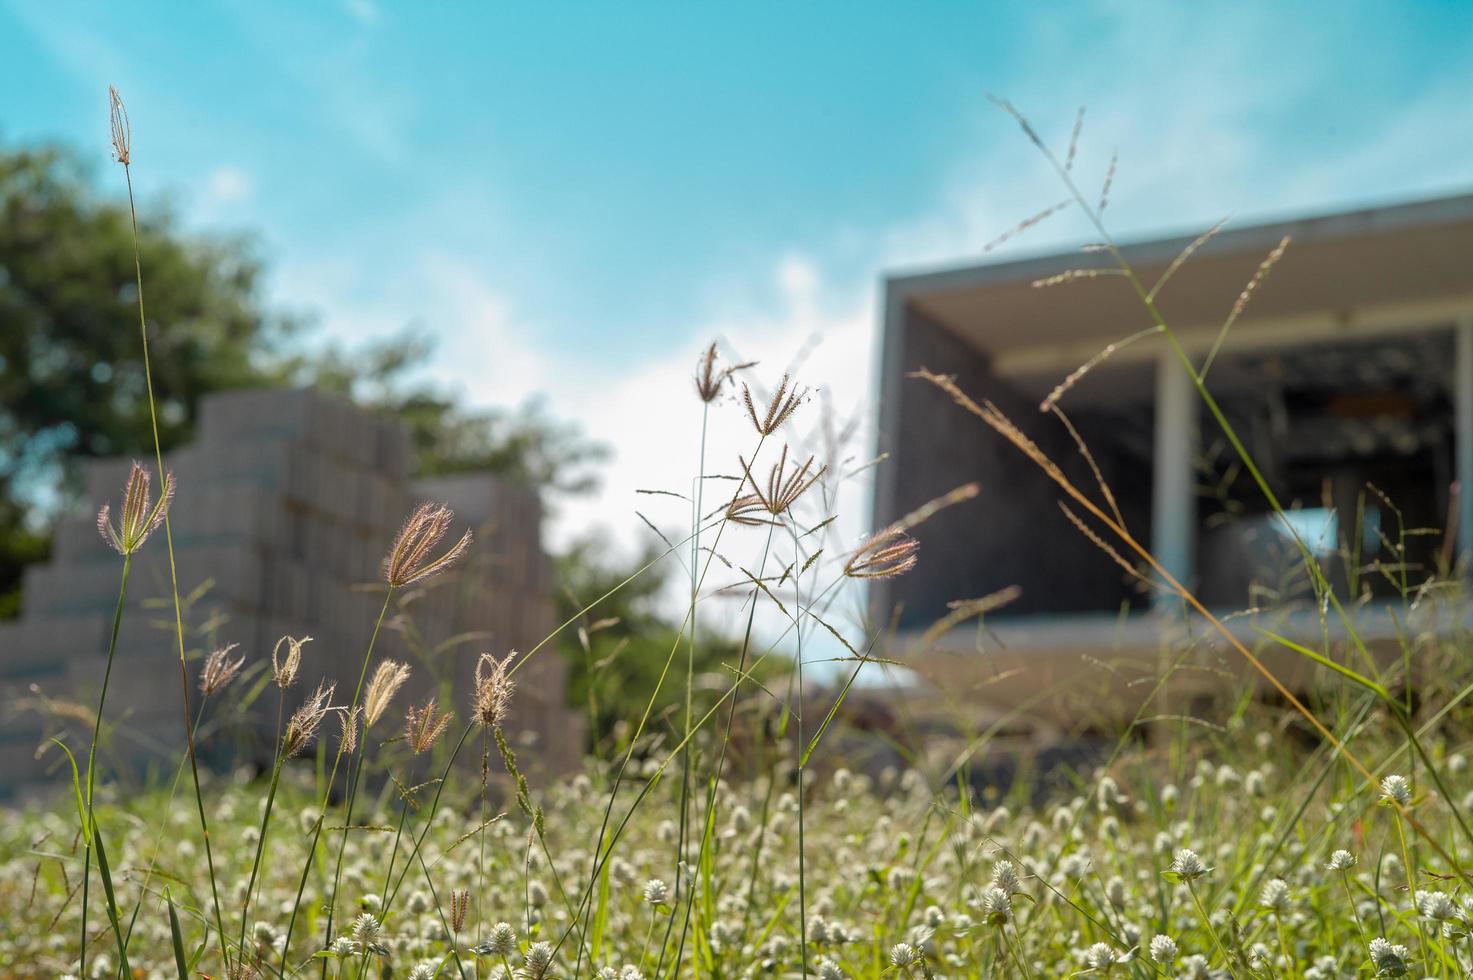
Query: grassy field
(1313,832)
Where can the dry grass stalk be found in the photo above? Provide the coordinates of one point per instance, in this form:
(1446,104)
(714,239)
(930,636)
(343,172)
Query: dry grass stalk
(1241,303)
(1105,546)
(408,559)
(965,609)
(930,508)
(1109,180)
(348,735)
(1074,139)
(1094,467)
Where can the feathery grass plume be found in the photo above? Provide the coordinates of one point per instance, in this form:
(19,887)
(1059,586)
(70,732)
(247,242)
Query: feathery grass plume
(301,729)
(122,132)
(284,669)
(406,562)
(387,679)
(1109,180)
(783,404)
(423,727)
(885,554)
(140,515)
(460,904)
(219,669)
(348,725)
(493,689)
(710,381)
(1183,256)
(783,489)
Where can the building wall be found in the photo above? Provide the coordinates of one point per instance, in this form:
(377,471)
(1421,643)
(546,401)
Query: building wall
(1013,532)
(286,504)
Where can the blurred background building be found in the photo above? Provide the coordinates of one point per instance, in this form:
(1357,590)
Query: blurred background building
(287,503)
(1349,375)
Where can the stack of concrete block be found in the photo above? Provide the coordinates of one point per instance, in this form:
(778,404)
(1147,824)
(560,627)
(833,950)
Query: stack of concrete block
(287,502)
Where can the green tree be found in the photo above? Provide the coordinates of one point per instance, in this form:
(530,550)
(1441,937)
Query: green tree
(622,644)
(71,371)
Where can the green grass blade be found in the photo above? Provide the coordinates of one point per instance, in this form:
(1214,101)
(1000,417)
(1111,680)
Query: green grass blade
(105,872)
(1325,661)
(180,962)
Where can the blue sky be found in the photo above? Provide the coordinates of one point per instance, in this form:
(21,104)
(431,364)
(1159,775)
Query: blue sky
(575,197)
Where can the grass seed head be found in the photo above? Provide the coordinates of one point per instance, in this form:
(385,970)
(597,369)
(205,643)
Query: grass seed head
(783,404)
(302,728)
(285,669)
(885,554)
(408,559)
(122,132)
(140,515)
(493,689)
(388,677)
(423,727)
(219,669)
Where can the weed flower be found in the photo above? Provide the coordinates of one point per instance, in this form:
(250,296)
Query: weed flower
(537,961)
(1396,790)
(301,729)
(1102,957)
(140,515)
(1436,905)
(387,679)
(502,941)
(783,404)
(997,906)
(1341,860)
(656,892)
(219,669)
(903,955)
(284,669)
(1005,877)
(1163,950)
(885,554)
(423,727)
(1275,895)
(1388,959)
(406,562)
(1187,866)
(493,689)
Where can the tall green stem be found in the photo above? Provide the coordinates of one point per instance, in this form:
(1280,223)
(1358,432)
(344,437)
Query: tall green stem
(158,452)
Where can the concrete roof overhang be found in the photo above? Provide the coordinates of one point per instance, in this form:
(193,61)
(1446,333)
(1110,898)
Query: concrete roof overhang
(1358,273)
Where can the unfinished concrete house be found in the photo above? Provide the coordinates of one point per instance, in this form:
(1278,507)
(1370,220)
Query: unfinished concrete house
(1349,376)
(286,504)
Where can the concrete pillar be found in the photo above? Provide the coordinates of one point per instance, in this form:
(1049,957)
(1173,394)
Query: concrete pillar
(1463,442)
(1173,492)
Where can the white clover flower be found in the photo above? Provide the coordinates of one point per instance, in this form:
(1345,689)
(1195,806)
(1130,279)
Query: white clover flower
(1187,866)
(422,971)
(1194,967)
(537,960)
(1341,860)
(1275,895)
(997,906)
(366,929)
(1170,795)
(903,954)
(1102,956)
(1396,789)
(1163,950)
(501,941)
(1388,959)
(656,892)
(343,946)
(829,970)
(1436,905)
(1005,877)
